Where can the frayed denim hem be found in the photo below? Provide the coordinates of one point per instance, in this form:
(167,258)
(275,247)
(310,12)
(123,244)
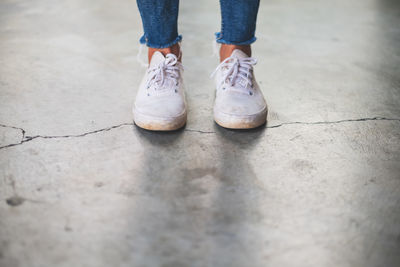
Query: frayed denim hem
(143,40)
(218,38)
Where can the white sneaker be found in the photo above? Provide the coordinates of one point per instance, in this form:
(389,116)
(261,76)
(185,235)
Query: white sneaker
(160,102)
(239,102)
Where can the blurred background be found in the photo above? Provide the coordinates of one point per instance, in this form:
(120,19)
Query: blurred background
(319,185)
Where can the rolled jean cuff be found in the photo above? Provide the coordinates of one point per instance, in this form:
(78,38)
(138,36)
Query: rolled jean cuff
(143,40)
(219,39)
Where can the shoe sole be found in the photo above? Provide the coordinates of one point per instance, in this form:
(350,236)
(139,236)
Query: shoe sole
(159,124)
(240,122)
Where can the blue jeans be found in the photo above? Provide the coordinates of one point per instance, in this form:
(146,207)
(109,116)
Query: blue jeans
(160,22)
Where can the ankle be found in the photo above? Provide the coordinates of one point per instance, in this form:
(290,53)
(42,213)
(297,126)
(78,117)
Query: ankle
(175,49)
(227,49)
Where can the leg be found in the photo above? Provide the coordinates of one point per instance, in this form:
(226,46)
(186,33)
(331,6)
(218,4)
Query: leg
(238,26)
(160,25)
(160,103)
(239,102)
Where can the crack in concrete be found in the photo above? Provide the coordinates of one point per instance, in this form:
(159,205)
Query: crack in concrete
(26,138)
(334,122)
(29,138)
(199,131)
(16,128)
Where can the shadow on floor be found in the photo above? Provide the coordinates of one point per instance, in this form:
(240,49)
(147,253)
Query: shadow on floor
(200,199)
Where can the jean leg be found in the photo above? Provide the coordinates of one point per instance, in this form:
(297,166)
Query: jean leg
(160,22)
(238,23)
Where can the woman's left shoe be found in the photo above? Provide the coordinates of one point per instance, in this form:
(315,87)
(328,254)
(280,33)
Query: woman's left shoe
(239,102)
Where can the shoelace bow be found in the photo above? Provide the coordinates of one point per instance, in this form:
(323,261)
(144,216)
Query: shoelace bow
(237,69)
(168,70)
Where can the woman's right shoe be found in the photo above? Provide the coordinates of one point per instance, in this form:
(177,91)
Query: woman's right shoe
(160,103)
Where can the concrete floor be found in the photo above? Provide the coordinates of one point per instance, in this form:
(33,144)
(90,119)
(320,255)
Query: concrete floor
(80,185)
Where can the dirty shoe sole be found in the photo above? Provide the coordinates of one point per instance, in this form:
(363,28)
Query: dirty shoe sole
(159,124)
(240,122)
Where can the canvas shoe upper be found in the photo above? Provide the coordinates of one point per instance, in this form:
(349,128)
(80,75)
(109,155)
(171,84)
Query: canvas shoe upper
(160,101)
(239,102)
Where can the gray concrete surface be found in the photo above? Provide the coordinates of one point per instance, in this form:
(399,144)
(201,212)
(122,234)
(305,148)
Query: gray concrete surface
(80,185)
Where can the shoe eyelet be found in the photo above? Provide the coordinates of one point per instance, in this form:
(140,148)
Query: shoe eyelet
(148,94)
(250,93)
(176,91)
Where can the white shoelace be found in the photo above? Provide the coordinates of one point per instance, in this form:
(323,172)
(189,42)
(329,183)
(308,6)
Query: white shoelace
(166,74)
(239,72)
